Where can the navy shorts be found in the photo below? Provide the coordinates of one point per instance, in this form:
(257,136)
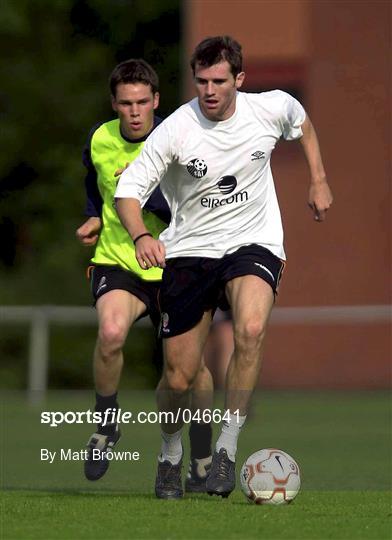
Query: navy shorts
(192,285)
(105,278)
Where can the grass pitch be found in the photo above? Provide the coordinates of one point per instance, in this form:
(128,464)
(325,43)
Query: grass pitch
(341,442)
(97,515)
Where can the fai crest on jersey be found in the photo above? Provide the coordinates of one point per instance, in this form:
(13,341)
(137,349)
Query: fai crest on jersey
(197,168)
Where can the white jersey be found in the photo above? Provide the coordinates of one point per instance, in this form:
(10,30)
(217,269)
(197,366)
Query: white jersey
(216,176)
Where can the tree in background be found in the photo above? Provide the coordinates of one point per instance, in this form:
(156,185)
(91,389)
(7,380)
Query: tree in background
(54,75)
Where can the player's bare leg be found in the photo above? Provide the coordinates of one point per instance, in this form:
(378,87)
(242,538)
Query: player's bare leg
(117,310)
(200,431)
(219,350)
(251,300)
(182,363)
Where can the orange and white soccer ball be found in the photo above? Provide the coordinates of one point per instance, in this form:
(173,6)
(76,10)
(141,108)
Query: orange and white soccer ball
(270,476)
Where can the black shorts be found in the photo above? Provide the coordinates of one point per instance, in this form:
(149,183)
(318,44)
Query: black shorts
(192,285)
(105,278)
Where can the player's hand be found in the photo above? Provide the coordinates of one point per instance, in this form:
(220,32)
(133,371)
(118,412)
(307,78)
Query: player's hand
(120,170)
(320,199)
(150,252)
(88,233)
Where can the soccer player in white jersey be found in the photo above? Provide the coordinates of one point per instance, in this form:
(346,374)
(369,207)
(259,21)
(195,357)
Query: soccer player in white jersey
(225,240)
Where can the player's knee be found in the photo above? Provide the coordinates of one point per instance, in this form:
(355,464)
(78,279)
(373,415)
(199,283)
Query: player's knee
(249,333)
(112,335)
(178,380)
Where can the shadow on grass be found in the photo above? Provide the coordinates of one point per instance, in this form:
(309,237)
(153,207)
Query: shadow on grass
(90,493)
(49,492)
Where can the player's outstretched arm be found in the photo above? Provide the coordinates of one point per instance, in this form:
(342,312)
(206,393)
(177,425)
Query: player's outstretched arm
(320,195)
(148,251)
(88,233)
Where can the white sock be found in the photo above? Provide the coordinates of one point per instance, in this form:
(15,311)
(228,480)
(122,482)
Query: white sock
(229,435)
(171,449)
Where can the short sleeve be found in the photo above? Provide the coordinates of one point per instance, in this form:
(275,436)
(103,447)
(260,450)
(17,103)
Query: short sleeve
(294,117)
(139,180)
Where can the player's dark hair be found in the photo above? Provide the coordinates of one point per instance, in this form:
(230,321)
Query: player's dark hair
(213,50)
(133,71)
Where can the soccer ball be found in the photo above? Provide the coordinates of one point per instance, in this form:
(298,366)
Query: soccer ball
(270,476)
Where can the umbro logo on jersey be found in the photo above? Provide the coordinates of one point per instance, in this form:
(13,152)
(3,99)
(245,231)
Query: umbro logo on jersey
(102,284)
(197,167)
(227,184)
(258,155)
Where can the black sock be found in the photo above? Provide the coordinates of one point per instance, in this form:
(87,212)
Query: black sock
(102,404)
(200,436)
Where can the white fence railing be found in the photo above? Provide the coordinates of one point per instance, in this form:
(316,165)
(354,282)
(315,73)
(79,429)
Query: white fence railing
(40,317)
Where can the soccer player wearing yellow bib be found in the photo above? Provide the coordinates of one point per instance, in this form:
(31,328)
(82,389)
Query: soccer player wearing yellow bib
(123,292)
